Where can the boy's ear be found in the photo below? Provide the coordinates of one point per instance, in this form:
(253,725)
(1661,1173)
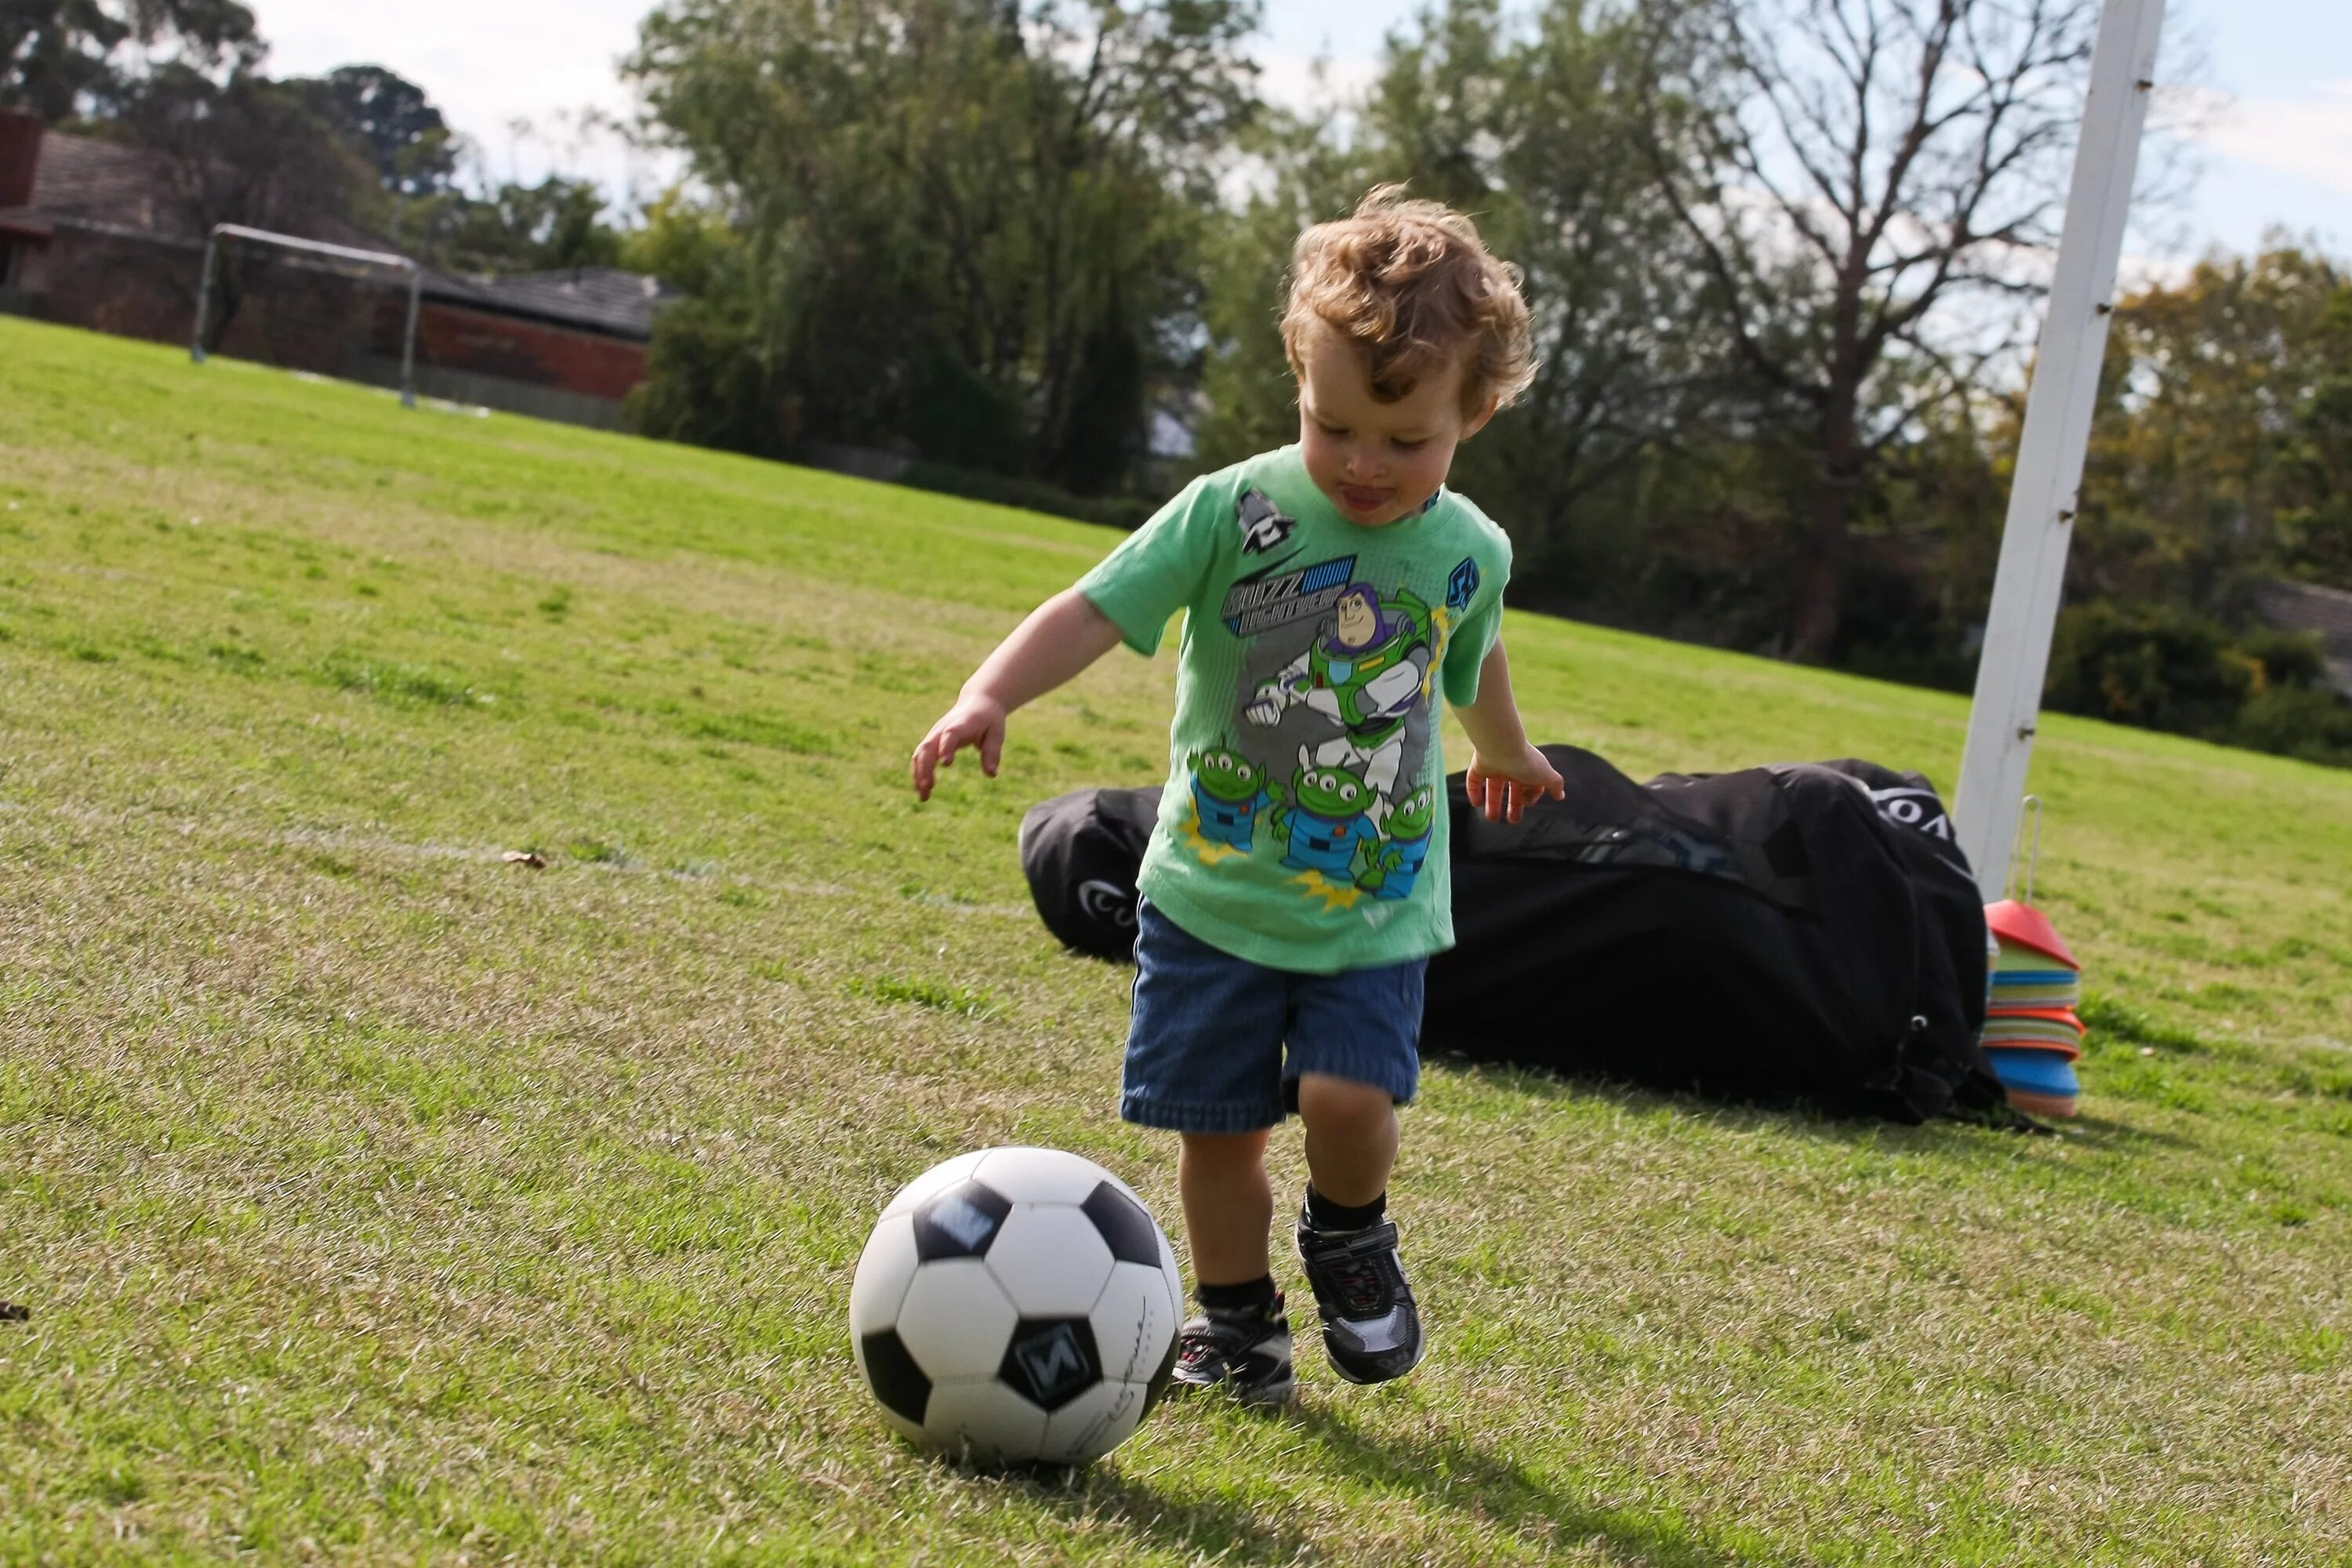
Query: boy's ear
(1479,423)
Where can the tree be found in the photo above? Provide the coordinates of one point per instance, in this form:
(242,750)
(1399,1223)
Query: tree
(2313,534)
(2219,451)
(1529,125)
(62,58)
(965,221)
(251,151)
(557,223)
(411,146)
(1862,165)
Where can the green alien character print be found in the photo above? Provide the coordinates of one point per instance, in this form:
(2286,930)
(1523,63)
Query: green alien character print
(1228,793)
(1304,826)
(1396,863)
(1325,821)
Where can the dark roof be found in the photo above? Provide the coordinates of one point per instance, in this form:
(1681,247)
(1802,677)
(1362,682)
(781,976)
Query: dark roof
(602,298)
(86,183)
(2308,608)
(81,179)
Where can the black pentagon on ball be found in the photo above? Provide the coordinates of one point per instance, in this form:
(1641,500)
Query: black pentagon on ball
(1126,1228)
(961,1222)
(1051,1361)
(898,1382)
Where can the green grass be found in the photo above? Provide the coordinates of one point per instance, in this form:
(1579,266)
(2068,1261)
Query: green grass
(377,1200)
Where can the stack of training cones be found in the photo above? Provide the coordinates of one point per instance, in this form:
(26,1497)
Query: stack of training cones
(2033,1034)
(2031,1031)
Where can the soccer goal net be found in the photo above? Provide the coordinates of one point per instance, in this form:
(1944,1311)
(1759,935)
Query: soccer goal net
(304,304)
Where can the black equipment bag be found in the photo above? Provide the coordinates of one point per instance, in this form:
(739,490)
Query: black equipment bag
(1794,932)
(1802,932)
(1081,851)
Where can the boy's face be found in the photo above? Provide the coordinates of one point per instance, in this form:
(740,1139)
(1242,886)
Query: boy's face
(1377,461)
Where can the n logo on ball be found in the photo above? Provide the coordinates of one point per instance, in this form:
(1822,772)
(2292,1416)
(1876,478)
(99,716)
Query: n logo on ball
(1052,1362)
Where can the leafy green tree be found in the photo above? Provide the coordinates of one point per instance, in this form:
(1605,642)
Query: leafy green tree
(2220,453)
(1529,124)
(63,58)
(2312,532)
(967,221)
(557,223)
(412,150)
(251,151)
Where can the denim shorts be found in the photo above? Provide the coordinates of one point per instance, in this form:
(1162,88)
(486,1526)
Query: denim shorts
(1206,1052)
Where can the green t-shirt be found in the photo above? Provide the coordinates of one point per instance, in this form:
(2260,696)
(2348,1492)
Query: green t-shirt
(1304,826)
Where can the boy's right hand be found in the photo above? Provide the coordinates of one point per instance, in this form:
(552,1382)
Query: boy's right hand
(977,721)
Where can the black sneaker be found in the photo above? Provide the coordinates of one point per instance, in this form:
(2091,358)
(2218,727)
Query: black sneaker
(1371,1327)
(1245,1353)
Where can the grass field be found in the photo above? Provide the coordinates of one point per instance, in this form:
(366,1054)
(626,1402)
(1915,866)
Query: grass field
(379,1201)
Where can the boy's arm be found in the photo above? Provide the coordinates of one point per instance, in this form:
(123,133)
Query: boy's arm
(1507,774)
(1062,636)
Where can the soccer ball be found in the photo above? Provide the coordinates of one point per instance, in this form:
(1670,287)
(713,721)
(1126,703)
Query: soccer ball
(1015,1306)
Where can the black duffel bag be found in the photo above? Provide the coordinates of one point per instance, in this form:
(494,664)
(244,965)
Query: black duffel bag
(1804,931)
(1081,851)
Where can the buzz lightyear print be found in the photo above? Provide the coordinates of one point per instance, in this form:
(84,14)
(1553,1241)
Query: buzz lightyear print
(1365,678)
(1323,770)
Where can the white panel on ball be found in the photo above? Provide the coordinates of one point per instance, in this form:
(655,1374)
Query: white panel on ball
(985,1419)
(1050,1260)
(1095,1423)
(1134,1321)
(938,1179)
(884,1271)
(955,1320)
(1043,1175)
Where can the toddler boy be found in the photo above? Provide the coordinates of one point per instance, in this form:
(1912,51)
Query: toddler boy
(1337,596)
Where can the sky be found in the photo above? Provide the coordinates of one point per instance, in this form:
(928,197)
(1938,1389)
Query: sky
(2273,88)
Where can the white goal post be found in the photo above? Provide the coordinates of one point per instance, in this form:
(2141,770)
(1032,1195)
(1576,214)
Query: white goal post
(2029,580)
(334,252)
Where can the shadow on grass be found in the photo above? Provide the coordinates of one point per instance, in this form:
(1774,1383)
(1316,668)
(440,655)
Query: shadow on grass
(1800,1117)
(1948,1135)
(1440,1468)
(2104,1132)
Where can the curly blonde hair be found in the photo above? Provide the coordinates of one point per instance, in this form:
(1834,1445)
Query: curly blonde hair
(1411,283)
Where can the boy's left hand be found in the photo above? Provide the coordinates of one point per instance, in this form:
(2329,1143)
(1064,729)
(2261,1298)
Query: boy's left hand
(1505,787)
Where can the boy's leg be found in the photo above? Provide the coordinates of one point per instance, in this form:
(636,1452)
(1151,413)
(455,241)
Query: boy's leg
(1228,1205)
(1241,1341)
(1354,1057)
(1204,1060)
(1351,1138)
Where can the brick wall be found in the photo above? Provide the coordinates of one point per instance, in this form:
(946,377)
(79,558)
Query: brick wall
(309,319)
(542,354)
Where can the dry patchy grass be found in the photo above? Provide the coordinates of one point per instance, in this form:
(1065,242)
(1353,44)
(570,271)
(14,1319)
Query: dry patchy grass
(377,1200)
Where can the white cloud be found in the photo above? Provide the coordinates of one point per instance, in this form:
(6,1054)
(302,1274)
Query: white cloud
(1313,83)
(2309,137)
(491,68)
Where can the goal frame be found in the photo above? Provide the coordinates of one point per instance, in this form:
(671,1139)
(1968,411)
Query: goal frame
(221,231)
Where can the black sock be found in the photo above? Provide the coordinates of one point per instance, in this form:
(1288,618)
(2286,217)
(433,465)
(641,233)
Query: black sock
(1325,1215)
(1249,1296)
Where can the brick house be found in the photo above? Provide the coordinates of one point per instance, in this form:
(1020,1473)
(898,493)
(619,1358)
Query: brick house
(109,237)
(2324,611)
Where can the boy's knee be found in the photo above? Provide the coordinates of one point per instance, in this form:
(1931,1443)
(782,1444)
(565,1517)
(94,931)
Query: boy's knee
(1344,1107)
